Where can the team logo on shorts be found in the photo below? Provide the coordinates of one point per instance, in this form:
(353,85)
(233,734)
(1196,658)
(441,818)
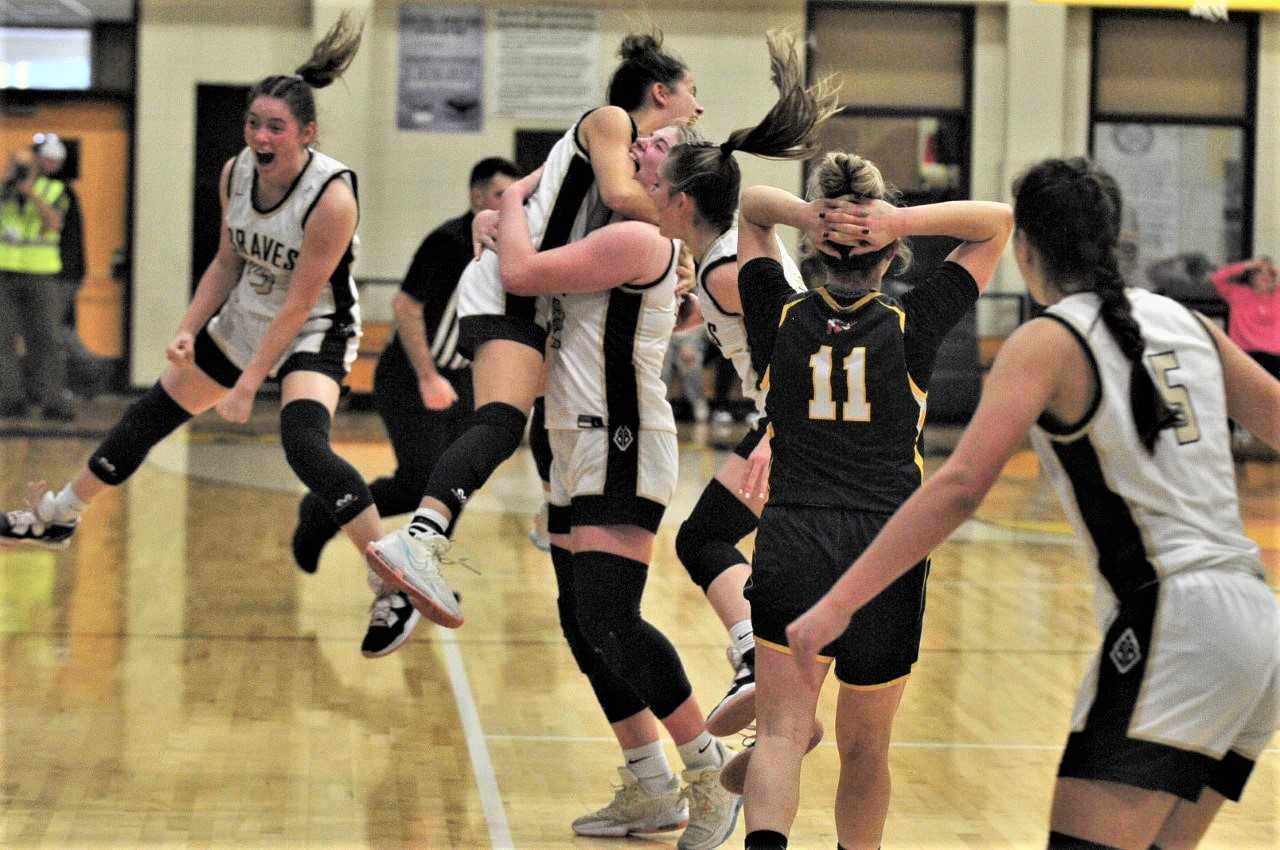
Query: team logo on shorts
(622,438)
(1125,652)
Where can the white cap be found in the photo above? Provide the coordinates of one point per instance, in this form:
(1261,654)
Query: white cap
(49,146)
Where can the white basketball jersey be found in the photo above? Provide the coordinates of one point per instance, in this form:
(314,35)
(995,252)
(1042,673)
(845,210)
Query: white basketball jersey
(1146,516)
(270,242)
(727,329)
(606,356)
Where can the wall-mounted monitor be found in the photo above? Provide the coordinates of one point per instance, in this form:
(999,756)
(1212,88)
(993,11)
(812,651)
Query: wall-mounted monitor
(45,58)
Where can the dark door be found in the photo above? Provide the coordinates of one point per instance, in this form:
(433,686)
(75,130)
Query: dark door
(219,136)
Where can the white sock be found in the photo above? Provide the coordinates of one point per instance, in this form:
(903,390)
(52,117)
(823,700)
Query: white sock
(428,521)
(744,638)
(702,751)
(67,505)
(649,764)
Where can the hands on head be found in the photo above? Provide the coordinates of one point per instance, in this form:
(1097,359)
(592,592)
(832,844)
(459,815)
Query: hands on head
(849,224)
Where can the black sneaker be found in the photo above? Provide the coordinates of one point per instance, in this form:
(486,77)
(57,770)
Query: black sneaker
(392,618)
(19,528)
(738,708)
(315,528)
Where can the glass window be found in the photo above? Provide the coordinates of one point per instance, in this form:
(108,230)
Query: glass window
(37,58)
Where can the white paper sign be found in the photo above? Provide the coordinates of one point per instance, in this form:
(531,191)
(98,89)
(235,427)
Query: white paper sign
(547,62)
(441,87)
(1145,159)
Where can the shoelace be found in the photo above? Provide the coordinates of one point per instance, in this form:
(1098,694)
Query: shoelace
(700,794)
(382,611)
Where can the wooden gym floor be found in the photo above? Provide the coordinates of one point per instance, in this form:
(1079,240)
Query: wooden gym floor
(174,681)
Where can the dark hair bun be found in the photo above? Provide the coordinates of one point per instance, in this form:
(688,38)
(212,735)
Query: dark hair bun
(636,45)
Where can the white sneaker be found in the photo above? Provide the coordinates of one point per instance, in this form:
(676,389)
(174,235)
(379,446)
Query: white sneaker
(634,810)
(37,526)
(413,565)
(713,811)
(538,534)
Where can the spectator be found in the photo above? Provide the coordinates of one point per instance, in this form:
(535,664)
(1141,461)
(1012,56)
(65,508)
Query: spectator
(1249,288)
(32,296)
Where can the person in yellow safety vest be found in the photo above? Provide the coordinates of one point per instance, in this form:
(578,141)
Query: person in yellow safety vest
(32,297)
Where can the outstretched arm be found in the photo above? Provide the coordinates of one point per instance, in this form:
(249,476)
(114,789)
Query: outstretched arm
(1022,384)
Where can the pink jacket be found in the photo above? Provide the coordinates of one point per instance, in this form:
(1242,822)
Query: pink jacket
(1254,324)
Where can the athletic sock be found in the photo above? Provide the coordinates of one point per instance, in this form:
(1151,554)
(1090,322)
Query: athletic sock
(67,504)
(744,638)
(766,839)
(427,520)
(649,764)
(703,751)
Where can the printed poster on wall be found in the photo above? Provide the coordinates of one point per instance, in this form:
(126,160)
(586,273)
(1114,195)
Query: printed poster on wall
(441,86)
(548,62)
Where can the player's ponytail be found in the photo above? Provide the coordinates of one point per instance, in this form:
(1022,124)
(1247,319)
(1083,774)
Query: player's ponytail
(329,59)
(708,172)
(1069,211)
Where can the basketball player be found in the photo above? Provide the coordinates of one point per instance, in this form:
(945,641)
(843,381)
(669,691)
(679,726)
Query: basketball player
(1126,394)
(696,189)
(422,390)
(613,471)
(588,176)
(847,371)
(277,301)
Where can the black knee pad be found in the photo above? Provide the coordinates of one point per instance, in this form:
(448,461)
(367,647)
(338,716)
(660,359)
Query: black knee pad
(608,589)
(706,541)
(1062,841)
(493,434)
(614,695)
(540,439)
(146,422)
(304,434)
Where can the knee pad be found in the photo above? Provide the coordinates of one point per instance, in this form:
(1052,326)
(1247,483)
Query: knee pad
(304,434)
(608,589)
(493,434)
(614,695)
(146,422)
(540,440)
(706,541)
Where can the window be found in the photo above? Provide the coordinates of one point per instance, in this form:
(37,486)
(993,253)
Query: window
(905,76)
(40,58)
(1172,122)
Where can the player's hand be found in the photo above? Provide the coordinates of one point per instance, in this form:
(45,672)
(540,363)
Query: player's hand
(688,313)
(236,405)
(181,352)
(829,224)
(755,480)
(484,232)
(810,632)
(437,393)
(875,224)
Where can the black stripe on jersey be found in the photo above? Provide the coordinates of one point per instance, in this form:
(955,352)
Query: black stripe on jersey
(354,191)
(578,180)
(1122,556)
(231,174)
(1050,423)
(253,188)
(622,396)
(444,341)
(671,261)
(577,143)
(702,276)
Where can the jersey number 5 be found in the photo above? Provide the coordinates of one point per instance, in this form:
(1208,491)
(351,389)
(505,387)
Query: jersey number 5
(822,404)
(1176,396)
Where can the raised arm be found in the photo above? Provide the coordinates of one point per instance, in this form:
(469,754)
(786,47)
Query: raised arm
(617,254)
(984,227)
(606,134)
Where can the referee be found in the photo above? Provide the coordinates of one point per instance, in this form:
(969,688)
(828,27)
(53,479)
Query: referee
(422,386)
